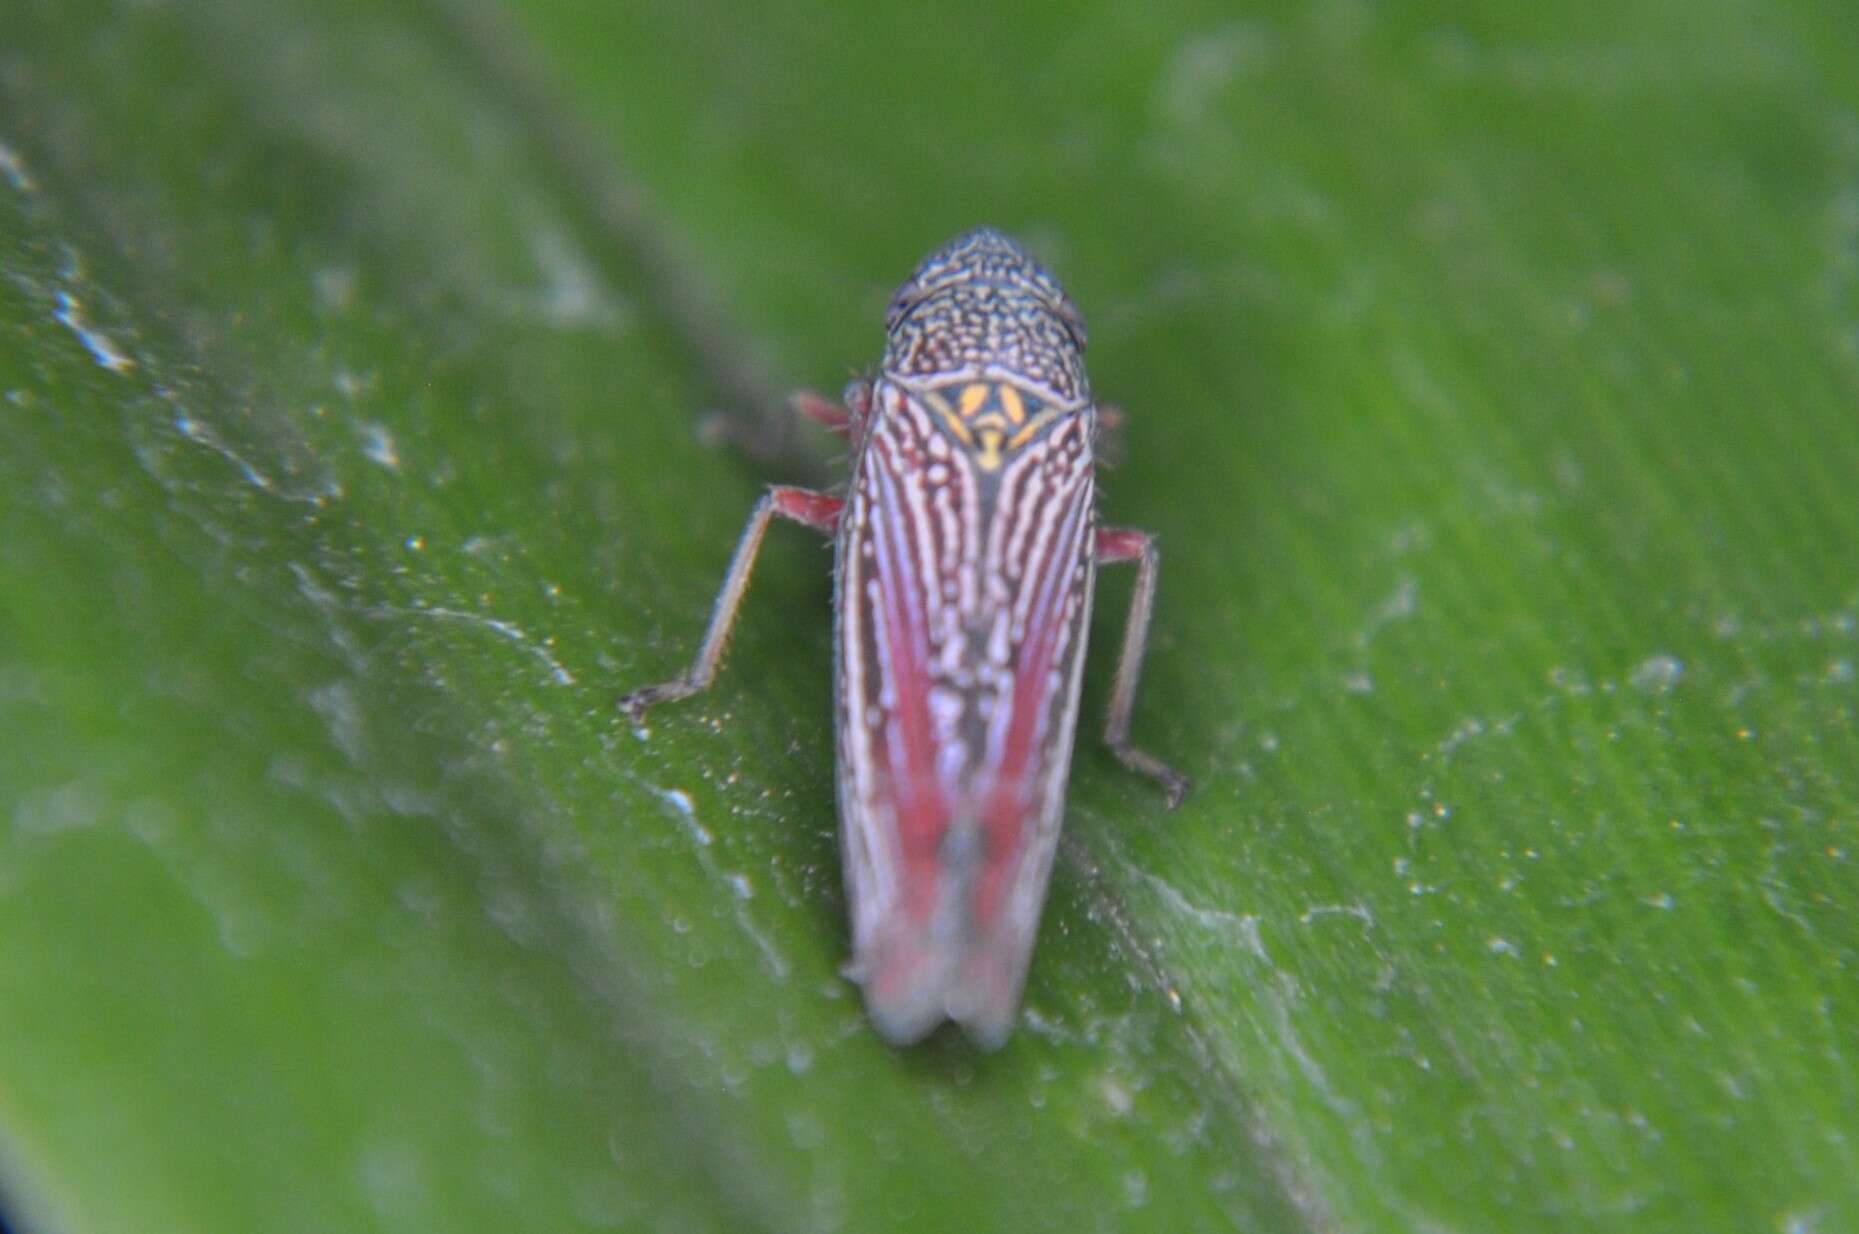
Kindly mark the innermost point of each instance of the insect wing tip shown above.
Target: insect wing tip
(904, 987)
(911, 987)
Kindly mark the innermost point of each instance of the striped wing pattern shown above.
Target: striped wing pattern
(965, 578)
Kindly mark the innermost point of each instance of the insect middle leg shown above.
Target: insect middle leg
(816, 510)
(846, 417)
(766, 439)
(1116, 545)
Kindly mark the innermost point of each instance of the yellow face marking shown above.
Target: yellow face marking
(993, 413)
(950, 417)
(990, 458)
(1032, 429)
(1010, 402)
(974, 395)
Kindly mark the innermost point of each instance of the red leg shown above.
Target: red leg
(843, 417)
(821, 410)
(816, 510)
(1110, 421)
(765, 438)
(1119, 545)
(819, 511)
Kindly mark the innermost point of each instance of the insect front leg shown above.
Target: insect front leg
(766, 438)
(846, 417)
(816, 510)
(1116, 545)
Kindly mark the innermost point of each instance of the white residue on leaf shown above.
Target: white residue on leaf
(1116, 1095)
(1466, 729)
(351, 384)
(49, 811)
(1361, 912)
(1402, 603)
(572, 293)
(335, 286)
(339, 709)
(201, 434)
(741, 889)
(14, 169)
(1205, 65)
(393, 1178)
(505, 629)
(378, 445)
(103, 350)
(1657, 674)
(1244, 926)
(680, 801)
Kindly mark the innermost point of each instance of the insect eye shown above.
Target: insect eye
(1074, 322)
(902, 302)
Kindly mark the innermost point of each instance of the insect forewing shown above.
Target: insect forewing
(965, 584)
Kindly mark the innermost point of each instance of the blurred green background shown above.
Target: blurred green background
(1491, 377)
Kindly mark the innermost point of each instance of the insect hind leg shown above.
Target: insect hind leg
(1116, 545)
(819, 511)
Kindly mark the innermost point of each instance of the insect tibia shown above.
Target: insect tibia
(817, 510)
(1122, 544)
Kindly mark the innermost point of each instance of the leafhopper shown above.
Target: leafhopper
(967, 546)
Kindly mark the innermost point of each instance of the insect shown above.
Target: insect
(966, 553)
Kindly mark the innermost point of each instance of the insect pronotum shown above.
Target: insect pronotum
(967, 545)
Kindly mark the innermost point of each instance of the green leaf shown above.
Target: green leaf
(1489, 378)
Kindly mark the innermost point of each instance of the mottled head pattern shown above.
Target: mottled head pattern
(979, 305)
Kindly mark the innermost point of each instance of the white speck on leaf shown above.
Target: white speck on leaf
(393, 1177)
(335, 287)
(106, 353)
(1244, 926)
(1463, 732)
(680, 801)
(351, 384)
(14, 169)
(572, 293)
(1360, 912)
(1657, 674)
(515, 633)
(1117, 1096)
(1204, 65)
(378, 445)
(1401, 604)
(69, 807)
